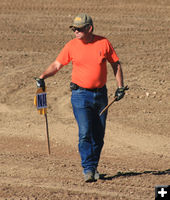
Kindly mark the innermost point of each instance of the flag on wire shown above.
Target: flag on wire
(40, 101)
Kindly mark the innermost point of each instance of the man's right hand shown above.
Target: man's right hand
(40, 83)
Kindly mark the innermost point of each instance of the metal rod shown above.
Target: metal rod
(107, 106)
(125, 88)
(48, 139)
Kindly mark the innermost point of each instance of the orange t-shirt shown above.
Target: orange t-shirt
(88, 60)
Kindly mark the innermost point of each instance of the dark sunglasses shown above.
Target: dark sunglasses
(79, 29)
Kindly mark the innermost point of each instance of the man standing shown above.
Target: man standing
(89, 54)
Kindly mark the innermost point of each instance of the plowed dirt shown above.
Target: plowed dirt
(136, 154)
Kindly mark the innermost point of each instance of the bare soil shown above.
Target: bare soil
(136, 154)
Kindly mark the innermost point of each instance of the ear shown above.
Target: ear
(90, 29)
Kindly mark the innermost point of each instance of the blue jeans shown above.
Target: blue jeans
(86, 108)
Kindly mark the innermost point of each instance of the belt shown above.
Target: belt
(74, 86)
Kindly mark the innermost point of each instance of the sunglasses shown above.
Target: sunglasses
(79, 29)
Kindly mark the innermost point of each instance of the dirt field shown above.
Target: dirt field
(136, 154)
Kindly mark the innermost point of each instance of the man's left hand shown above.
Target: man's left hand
(120, 92)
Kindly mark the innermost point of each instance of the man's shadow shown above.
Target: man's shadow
(128, 174)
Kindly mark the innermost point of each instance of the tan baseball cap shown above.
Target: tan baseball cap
(81, 20)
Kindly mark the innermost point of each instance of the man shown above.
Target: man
(89, 54)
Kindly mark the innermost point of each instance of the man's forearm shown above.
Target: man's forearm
(118, 74)
(51, 70)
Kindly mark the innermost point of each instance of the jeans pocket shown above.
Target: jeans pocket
(79, 98)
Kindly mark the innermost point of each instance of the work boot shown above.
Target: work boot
(96, 175)
(89, 176)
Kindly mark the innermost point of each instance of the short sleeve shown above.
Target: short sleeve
(111, 54)
(64, 56)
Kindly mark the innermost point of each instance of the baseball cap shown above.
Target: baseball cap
(81, 20)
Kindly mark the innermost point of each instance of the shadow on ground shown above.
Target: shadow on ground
(127, 174)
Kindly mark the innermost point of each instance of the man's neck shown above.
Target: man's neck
(88, 39)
